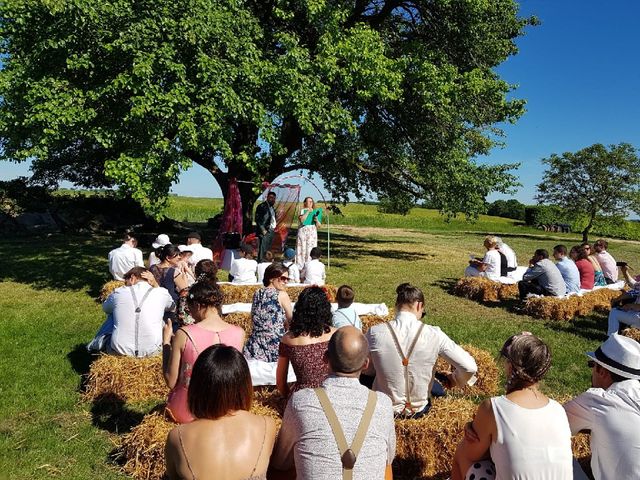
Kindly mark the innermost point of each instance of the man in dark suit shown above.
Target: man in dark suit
(265, 224)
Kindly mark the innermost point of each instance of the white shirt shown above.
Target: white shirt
(613, 416)
(123, 259)
(492, 259)
(200, 252)
(146, 338)
(153, 259)
(243, 271)
(386, 362)
(294, 271)
(532, 443)
(313, 272)
(510, 255)
(262, 266)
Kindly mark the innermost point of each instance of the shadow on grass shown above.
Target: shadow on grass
(591, 327)
(109, 412)
(58, 262)
(353, 247)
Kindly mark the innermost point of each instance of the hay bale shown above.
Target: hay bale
(108, 288)
(425, 447)
(582, 451)
(488, 374)
(484, 290)
(132, 379)
(632, 332)
(565, 309)
(369, 321)
(244, 293)
(241, 319)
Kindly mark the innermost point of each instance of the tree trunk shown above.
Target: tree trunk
(587, 229)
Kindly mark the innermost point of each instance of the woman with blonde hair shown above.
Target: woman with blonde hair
(310, 219)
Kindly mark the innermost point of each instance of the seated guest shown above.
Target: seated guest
(307, 438)
(606, 261)
(170, 272)
(598, 273)
(490, 265)
(568, 269)
(610, 410)
(585, 267)
(288, 260)
(262, 266)
(542, 277)
(160, 241)
(522, 434)
(346, 314)
(225, 440)
(271, 313)
(200, 252)
(510, 255)
(206, 271)
(243, 269)
(313, 271)
(136, 316)
(404, 351)
(181, 350)
(125, 257)
(305, 344)
(625, 310)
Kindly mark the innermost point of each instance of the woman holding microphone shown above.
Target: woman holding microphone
(310, 219)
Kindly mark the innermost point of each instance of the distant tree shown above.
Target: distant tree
(399, 203)
(373, 95)
(593, 182)
(511, 208)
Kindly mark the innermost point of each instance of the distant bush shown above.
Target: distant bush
(536, 215)
(507, 209)
(398, 203)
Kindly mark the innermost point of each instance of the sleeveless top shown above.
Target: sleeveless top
(251, 477)
(307, 362)
(267, 316)
(532, 444)
(198, 339)
(165, 278)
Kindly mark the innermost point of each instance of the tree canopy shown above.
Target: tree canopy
(595, 182)
(395, 97)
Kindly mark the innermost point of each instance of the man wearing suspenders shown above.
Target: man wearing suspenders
(342, 429)
(404, 351)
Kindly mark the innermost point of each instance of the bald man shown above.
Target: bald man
(306, 437)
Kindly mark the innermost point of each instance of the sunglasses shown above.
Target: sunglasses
(284, 279)
(591, 364)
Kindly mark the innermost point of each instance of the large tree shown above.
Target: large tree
(596, 183)
(396, 97)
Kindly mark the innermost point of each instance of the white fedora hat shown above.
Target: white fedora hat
(161, 240)
(619, 354)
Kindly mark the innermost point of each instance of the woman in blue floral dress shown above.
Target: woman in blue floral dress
(270, 313)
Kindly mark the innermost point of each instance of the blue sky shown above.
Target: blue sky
(578, 71)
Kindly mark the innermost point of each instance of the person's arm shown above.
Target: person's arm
(627, 276)
(533, 272)
(282, 457)
(468, 452)
(139, 258)
(171, 356)
(171, 452)
(151, 280)
(631, 307)
(579, 413)
(180, 279)
(464, 366)
(285, 303)
(281, 373)
(303, 215)
(109, 304)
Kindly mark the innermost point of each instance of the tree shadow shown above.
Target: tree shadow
(353, 247)
(109, 412)
(591, 327)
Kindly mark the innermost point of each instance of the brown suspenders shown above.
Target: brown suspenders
(348, 454)
(405, 362)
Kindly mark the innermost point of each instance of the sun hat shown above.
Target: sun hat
(185, 248)
(289, 253)
(619, 354)
(161, 240)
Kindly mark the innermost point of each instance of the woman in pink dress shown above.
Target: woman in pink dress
(306, 342)
(180, 352)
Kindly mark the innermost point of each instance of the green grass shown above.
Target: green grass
(47, 300)
(193, 209)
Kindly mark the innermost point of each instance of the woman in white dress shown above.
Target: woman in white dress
(310, 219)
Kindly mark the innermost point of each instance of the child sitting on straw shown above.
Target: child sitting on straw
(346, 314)
(288, 260)
(262, 266)
(313, 271)
(243, 269)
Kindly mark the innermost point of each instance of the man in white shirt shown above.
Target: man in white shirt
(243, 269)
(404, 351)
(489, 266)
(611, 409)
(200, 252)
(125, 257)
(313, 271)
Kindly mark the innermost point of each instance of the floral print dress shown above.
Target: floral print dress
(268, 320)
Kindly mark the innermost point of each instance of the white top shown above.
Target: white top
(510, 255)
(123, 259)
(294, 271)
(261, 268)
(532, 443)
(386, 363)
(343, 317)
(200, 252)
(243, 271)
(492, 259)
(146, 338)
(613, 416)
(153, 259)
(313, 273)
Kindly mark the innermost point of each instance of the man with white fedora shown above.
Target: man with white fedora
(611, 409)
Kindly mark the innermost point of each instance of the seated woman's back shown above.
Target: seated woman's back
(234, 447)
(306, 354)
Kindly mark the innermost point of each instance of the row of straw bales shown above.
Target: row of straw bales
(484, 290)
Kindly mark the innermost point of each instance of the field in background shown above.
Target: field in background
(47, 299)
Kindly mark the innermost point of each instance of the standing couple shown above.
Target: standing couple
(310, 219)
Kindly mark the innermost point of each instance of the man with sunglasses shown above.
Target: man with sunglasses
(404, 351)
(611, 409)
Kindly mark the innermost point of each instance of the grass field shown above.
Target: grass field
(47, 300)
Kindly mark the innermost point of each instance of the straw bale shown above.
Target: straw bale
(369, 321)
(632, 333)
(565, 309)
(132, 379)
(244, 293)
(425, 447)
(108, 288)
(582, 451)
(484, 290)
(488, 373)
(241, 319)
